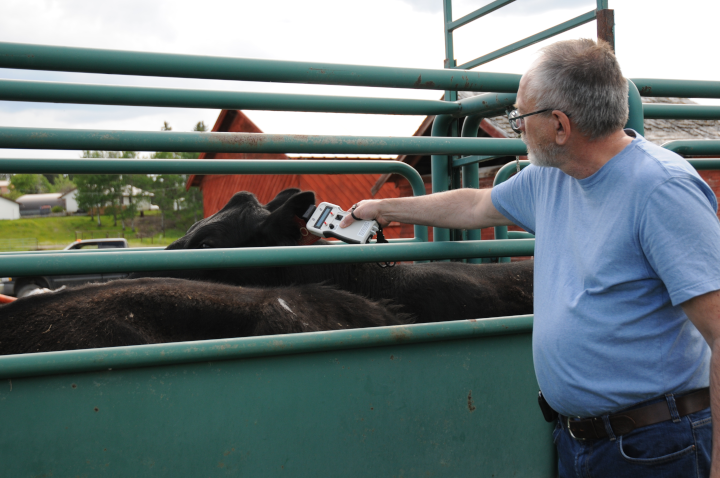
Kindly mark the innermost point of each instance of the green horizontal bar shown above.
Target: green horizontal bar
(117, 62)
(677, 88)
(520, 235)
(116, 358)
(39, 91)
(480, 12)
(487, 104)
(701, 147)
(681, 112)
(82, 251)
(465, 160)
(210, 166)
(705, 164)
(74, 139)
(531, 40)
(60, 263)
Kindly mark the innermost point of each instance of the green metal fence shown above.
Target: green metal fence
(400, 401)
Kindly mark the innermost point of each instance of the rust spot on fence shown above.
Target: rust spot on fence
(73, 385)
(96, 409)
(419, 83)
(400, 335)
(645, 90)
(471, 407)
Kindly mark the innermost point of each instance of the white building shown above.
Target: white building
(71, 205)
(139, 197)
(9, 209)
(38, 204)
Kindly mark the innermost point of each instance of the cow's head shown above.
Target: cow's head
(244, 222)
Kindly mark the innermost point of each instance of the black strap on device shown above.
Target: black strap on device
(381, 240)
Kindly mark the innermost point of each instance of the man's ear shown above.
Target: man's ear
(563, 130)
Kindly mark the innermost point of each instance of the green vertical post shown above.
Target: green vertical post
(442, 124)
(439, 170)
(636, 119)
(470, 173)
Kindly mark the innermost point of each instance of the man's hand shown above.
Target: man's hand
(368, 209)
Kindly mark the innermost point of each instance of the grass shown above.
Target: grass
(56, 232)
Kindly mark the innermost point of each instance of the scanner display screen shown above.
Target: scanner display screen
(323, 216)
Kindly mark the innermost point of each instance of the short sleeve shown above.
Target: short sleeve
(679, 233)
(515, 199)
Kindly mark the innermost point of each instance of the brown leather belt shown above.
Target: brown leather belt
(627, 421)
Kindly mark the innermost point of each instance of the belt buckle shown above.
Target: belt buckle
(567, 425)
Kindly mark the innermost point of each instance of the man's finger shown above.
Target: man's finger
(347, 220)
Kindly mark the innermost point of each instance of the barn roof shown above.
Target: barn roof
(341, 189)
(231, 121)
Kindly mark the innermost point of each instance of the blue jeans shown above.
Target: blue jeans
(675, 448)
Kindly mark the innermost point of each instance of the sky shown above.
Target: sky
(653, 40)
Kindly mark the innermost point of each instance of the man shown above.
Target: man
(627, 271)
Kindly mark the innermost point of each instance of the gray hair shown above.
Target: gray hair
(582, 79)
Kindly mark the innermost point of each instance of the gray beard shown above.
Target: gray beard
(549, 155)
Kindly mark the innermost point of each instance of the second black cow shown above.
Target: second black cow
(431, 292)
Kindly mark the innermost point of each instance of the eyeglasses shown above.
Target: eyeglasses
(516, 120)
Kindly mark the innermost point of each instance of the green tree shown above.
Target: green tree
(63, 184)
(96, 191)
(30, 184)
(170, 193)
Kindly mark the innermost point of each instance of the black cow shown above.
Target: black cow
(430, 292)
(148, 311)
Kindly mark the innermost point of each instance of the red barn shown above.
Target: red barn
(341, 189)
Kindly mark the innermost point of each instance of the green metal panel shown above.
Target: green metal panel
(116, 62)
(678, 88)
(124, 261)
(395, 401)
(48, 138)
(691, 112)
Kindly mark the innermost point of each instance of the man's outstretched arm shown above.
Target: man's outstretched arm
(458, 209)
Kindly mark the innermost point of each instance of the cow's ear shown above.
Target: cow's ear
(280, 227)
(282, 198)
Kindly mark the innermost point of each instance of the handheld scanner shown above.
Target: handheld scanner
(324, 221)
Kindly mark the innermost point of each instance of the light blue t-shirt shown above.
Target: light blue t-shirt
(615, 255)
